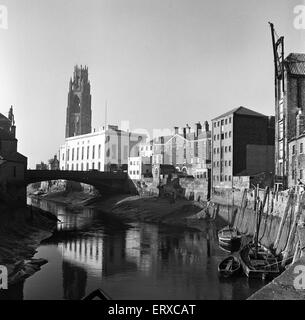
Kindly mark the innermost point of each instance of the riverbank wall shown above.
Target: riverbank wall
(281, 229)
(278, 216)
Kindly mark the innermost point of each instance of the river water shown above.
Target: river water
(91, 250)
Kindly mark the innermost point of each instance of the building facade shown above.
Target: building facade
(13, 165)
(296, 145)
(188, 150)
(289, 98)
(79, 113)
(242, 145)
(104, 150)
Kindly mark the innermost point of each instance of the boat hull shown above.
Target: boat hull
(229, 239)
(229, 267)
(261, 266)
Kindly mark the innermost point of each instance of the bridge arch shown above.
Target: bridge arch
(105, 182)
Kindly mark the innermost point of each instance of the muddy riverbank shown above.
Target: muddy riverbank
(182, 212)
(21, 232)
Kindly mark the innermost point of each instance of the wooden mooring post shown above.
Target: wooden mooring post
(288, 205)
(293, 231)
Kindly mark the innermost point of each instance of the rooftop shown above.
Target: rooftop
(241, 111)
(295, 64)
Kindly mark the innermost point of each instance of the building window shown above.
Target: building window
(93, 165)
(77, 154)
(229, 178)
(68, 155)
(218, 137)
(217, 150)
(93, 152)
(72, 167)
(88, 150)
(226, 149)
(230, 163)
(82, 167)
(226, 178)
(218, 123)
(99, 151)
(99, 166)
(215, 137)
(293, 149)
(87, 166)
(226, 121)
(226, 135)
(230, 134)
(230, 120)
(301, 148)
(226, 162)
(222, 122)
(77, 167)
(63, 157)
(230, 149)
(301, 174)
(83, 151)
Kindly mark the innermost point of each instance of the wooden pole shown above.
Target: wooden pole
(289, 201)
(298, 211)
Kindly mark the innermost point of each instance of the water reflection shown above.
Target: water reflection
(136, 261)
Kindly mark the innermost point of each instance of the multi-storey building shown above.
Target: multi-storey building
(104, 150)
(296, 145)
(289, 99)
(188, 150)
(242, 145)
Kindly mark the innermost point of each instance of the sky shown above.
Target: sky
(158, 63)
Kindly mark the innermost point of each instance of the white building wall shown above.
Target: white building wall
(97, 151)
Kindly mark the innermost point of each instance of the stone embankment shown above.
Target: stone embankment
(281, 229)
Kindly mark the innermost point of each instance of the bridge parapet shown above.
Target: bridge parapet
(105, 182)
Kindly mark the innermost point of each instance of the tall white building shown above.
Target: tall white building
(101, 150)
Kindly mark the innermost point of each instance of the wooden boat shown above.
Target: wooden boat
(258, 262)
(230, 237)
(229, 266)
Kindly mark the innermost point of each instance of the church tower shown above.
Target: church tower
(79, 111)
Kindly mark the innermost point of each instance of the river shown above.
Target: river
(133, 261)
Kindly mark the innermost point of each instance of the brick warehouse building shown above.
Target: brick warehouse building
(242, 145)
(188, 150)
(290, 98)
(296, 149)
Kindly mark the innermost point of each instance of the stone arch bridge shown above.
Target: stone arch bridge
(104, 182)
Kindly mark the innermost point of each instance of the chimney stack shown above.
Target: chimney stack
(198, 128)
(206, 126)
(300, 125)
(188, 129)
(176, 130)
